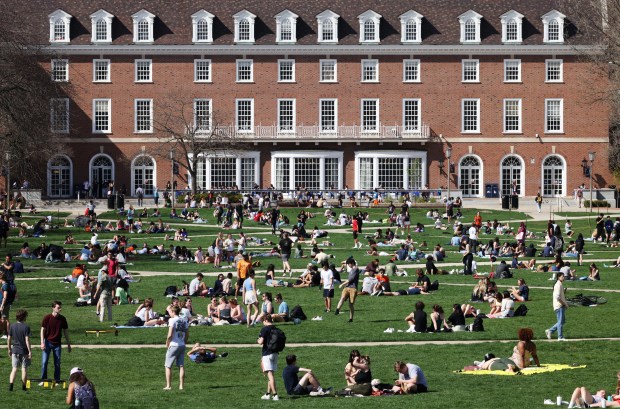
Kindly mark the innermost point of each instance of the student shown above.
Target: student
(411, 379)
(20, 349)
(417, 320)
(201, 354)
(269, 360)
(350, 291)
(81, 392)
(53, 327)
(327, 279)
(178, 333)
(307, 385)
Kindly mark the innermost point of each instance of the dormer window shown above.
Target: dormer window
(369, 27)
(470, 27)
(328, 27)
(101, 22)
(59, 27)
(411, 27)
(286, 27)
(511, 27)
(202, 27)
(244, 27)
(554, 27)
(143, 27)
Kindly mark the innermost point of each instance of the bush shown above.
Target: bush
(597, 203)
(232, 197)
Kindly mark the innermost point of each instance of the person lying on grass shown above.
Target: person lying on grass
(202, 354)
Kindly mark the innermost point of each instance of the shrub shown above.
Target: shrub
(597, 203)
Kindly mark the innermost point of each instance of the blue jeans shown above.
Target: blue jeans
(49, 347)
(561, 315)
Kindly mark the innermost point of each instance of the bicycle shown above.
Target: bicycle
(585, 300)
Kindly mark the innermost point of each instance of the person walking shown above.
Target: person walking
(269, 358)
(559, 306)
(53, 327)
(350, 288)
(178, 334)
(140, 194)
(538, 199)
(327, 278)
(19, 348)
(286, 247)
(155, 196)
(105, 292)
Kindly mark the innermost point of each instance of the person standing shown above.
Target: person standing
(269, 358)
(19, 348)
(355, 228)
(178, 334)
(250, 298)
(350, 288)
(140, 194)
(559, 306)
(275, 215)
(286, 247)
(155, 196)
(327, 278)
(4, 229)
(53, 327)
(600, 228)
(538, 199)
(243, 267)
(105, 290)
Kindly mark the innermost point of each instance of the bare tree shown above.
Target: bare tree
(192, 132)
(26, 92)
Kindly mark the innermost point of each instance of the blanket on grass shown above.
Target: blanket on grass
(527, 371)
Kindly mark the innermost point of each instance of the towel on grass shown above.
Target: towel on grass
(527, 371)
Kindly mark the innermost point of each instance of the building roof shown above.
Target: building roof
(173, 24)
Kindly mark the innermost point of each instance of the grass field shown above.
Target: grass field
(133, 378)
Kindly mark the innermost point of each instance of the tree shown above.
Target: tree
(190, 130)
(26, 92)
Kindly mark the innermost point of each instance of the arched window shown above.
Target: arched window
(101, 30)
(470, 179)
(101, 174)
(369, 30)
(244, 30)
(554, 31)
(328, 30)
(60, 30)
(553, 176)
(470, 30)
(511, 171)
(286, 31)
(143, 30)
(411, 31)
(202, 30)
(512, 32)
(60, 177)
(143, 174)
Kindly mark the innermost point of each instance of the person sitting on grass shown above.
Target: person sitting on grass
(525, 349)
(147, 316)
(236, 312)
(417, 320)
(522, 293)
(410, 380)
(438, 320)
(307, 385)
(357, 370)
(266, 308)
(81, 392)
(593, 275)
(201, 354)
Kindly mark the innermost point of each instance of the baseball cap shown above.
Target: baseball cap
(75, 370)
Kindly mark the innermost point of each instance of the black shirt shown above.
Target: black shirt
(286, 245)
(456, 319)
(419, 316)
(290, 377)
(265, 334)
(430, 269)
(425, 282)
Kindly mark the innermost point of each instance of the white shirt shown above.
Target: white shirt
(473, 233)
(193, 286)
(179, 329)
(558, 295)
(327, 276)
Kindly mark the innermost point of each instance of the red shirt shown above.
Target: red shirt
(354, 224)
(112, 267)
(53, 327)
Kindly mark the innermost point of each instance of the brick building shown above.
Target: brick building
(327, 94)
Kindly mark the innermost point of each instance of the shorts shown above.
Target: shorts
(300, 390)
(269, 362)
(6, 310)
(240, 282)
(285, 257)
(175, 353)
(328, 293)
(250, 298)
(419, 389)
(354, 235)
(349, 293)
(19, 360)
(413, 291)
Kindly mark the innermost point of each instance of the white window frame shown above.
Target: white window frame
(136, 101)
(286, 16)
(558, 17)
(54, 102)
(464, 64)
(506, 18)
(108, 101)
(59, 65)
(105, 62)
(405, 128)
(373, 18)
(294, 115)
(561, 101)
(463, 102)
(199, 61)
(463, 19)
(519, 115)
(238, 18)
(50, 169)
(138, 63)
(197, 18)
(327, 16)
(377, 118)
(239, 65)
(321, 67)
(418, 65)
(335, 130)
(280, 63)
(372, 64)
(209, 115)
(405, 155)
(244, 131)
(512, 61)
(548, 62)
(107, 18)
(147, 17)
(60, 17)
(204, 168)
(321, 155)
(415, 18)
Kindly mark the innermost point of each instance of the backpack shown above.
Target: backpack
(434, 286)
(477, 325)
(11, 291)
(297, 312)
(276, 341)
(521, 311)
(559, 244)
(170, 290)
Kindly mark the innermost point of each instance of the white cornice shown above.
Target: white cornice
(323, 49)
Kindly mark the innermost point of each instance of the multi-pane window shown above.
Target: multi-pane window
(60, 70)
(370, 70)
(202, 70)
(469, 180)
(328, 71)
(328, 115)
(553, 176)
(283, 174)
(470, 30)
(245, 115)
(143, 174)
(366, 173)
(328, 30)
(554, 115)
(411, 31)
(143, 30)
(102, 116)
(101, 30)
(286, 115)
(512, 115)
(245, 70)
(286, 70)
(202, 115)
(369, 30)
(307, 172)
(244, 30)
(391, 174)
(411, 70)
(60, 177)
(60, 30)
(511, 175)
(411, 115)
(512, 70)
(553, 33)
(202, 30)
(223, 172)
(248, 173)
(59, 115)
(471, 70)
(332, 172)
(101, 70)
(286, 30)
(471, 115)
(144, 115)
(144, 70)
(370, 115)
(554, 70)
(312, 170)
(393, 170)
(512, 31)
(226, 171)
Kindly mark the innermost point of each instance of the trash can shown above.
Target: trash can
(514, 200)
(505, 202)
(111, 201)
(495, 190)
(120, 201)
(488, 191)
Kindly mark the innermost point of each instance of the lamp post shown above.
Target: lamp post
(7, 156)
(448, 155)
(591, 156)
(172, 178)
